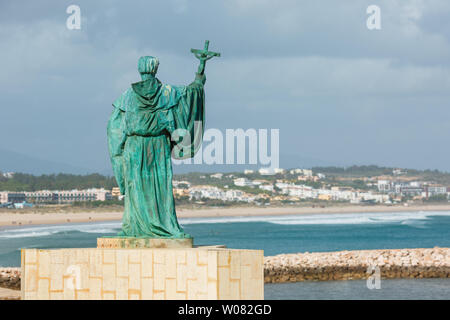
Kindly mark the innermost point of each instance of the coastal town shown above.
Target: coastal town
(263, 188)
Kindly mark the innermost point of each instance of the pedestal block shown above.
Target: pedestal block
(128, 242)
(142, 273)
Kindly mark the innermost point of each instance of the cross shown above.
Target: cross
(204, 55)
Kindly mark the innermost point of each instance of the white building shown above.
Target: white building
(93, 194)
(209, 192)
(258, 182)
(242, 182)
(307, 172)
(217, 175)
(13, 197)
(8, 175)
(300, 191)
(281, 185)
(369, 196)
(398, 172)
(41, 196)
(67, 196)
(435, 190)
(385, 185)
(267, 187)
(263, 171)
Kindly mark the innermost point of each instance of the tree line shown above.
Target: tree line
(61, 181)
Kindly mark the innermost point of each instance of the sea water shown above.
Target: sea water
(390, 289)
(273, 234)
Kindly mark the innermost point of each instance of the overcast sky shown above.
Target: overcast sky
(337, 91)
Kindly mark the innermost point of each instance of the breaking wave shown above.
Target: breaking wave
(407, 218)
(41, 231)
(412, 219)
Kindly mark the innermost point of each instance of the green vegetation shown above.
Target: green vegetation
(373, 171)
(335, 176)
(218, 203)
(180, 200)
(437, 198)
(354, 171)
(313, 184)
(96, 204)
(356, 184)
(29, 182)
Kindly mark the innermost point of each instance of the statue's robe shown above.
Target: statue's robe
(150, 124)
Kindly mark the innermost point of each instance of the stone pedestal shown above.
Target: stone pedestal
(144, 273)
(128, 243)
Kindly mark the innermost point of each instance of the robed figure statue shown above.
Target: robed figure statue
(151, 123)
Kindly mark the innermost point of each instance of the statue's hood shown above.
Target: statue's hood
(153, 95)
(150, 95)
(148, 91)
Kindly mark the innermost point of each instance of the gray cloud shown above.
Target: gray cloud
(336, 90)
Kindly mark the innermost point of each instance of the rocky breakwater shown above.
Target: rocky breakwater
(10, 278)
(359, 264)
(340, 265)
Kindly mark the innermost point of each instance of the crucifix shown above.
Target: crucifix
(204, 55)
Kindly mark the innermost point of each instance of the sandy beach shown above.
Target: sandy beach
(21, 219)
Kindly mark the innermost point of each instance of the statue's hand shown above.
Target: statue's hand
(200, 78)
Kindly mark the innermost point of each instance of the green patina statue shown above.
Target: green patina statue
(152, 122)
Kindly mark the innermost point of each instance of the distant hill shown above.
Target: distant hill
(286, 161)
(61, 181)
(17, 162)
(353, 174)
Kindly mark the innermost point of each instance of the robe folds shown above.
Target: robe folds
(150, 124)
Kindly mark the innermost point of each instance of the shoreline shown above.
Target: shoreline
(24, 219)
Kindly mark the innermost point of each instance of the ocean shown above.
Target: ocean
(390, 289)
(275, 235)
